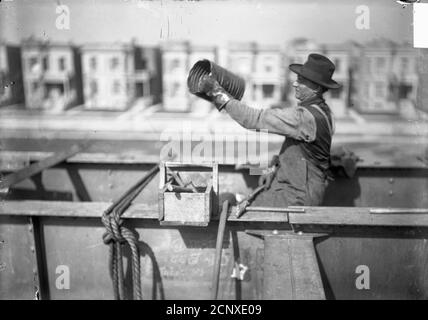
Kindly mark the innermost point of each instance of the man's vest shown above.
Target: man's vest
(300, 161)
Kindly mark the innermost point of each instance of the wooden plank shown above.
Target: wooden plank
(175, 164)
(35, 168)
(141, 157)
(397, 211)
(73, 209)
(312, 215)
(356, 216)
(15, 160)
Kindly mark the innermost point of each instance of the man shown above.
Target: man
(299, 176)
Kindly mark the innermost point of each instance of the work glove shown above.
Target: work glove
(219, 96)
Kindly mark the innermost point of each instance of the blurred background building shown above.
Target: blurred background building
(376, 67)
(51, 73)
(178, 57)
(261, 68)
(377, 77)
(116, 75)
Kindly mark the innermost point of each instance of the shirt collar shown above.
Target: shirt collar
(314, 100)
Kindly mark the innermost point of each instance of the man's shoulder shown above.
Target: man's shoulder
(318, 109)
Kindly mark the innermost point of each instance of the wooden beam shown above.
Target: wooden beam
(358, 216)
(8, 158)
(73, 209)
(312, 215)
(35, 168)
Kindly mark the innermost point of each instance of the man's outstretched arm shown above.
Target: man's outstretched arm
(297, 123)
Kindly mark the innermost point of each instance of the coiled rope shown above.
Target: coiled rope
(117, 235)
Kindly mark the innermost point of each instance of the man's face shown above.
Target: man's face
(304, 88)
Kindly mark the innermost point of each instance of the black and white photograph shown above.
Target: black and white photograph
(213, 150)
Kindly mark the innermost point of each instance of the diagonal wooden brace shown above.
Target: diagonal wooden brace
(290, 266)
(37, 167)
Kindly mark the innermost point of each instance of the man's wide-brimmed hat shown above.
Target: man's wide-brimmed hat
(318, 69)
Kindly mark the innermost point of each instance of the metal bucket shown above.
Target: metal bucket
(232, 83)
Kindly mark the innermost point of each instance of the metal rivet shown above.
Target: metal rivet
(391, 180)
(32, 249)
(30, 228)
(275, 231)
(34, 270)
(391, 192)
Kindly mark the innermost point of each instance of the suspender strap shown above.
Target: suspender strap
(331, 127)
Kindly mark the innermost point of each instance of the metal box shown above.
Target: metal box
(188, 208)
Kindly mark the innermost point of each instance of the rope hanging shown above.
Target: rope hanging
(117, 235)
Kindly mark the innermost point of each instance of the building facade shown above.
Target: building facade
(51, 73)
(345, 57)
(177, 59)
(374, 77)
(267, 78)
(110, 77)
(405, 79)
(261, 68)
(175, 68)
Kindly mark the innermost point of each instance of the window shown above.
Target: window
(404, 63)
(404, 91)
(378, 106)
(268, 90)
(337, 64)
(140, 63)
(174, 64)
(93, 87)
(267, 62)
(61, 64)
(244, 66)
(368, 64)
(380, 63)
(174, 89)
(379, 90)
(35, 86)
(114, 63)
(116, 87)
(93, 63)
(45, 63)
(33, 63)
